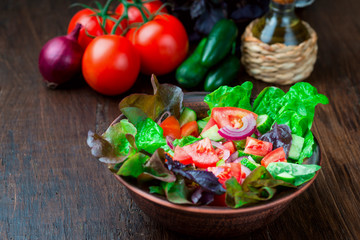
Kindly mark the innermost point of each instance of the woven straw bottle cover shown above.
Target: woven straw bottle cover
(279, 48)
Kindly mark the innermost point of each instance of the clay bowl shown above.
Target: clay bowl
(214, 222)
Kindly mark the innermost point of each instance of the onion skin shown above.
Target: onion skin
(60, 59)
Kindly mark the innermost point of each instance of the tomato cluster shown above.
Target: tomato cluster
(120, 45)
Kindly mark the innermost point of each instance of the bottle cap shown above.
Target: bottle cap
(283, 1)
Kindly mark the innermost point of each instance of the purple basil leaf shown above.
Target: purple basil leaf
(202, 197)
(197, 8)
(249, 11)
(279, 136)
(207, 20)
(207, 180)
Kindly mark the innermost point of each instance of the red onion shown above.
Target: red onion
(248, 128)
(246, 170)
(169, 142)
(60, 58)
(225, 150)
(232, 157)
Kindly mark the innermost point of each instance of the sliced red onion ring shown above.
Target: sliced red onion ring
(169, 142)
(248, 128)
(232, 157)
(219, 145)
(239, 159)
(246, 170)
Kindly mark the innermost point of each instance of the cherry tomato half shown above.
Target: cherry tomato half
(162, 44)
(110, 64)
(171, 127)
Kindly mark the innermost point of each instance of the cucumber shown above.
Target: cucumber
(249, 163)
(263, 123)
(286, 177)
(187, 115)
(190, 73)
(219, 43)
(255, 157)
(212, 133)
(201, 124)
(222, 74)
(297, 144)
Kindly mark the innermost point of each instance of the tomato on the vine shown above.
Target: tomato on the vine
(134, 15)
(162, 44)
(110, 64)
(91, 27)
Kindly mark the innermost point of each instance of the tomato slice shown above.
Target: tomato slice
(209, 124)
(171, 127)
(277, 155)
(181, 156)
(230, 146)
(257, 147)
(226, 171)
(219, 200)
(230, 116)
(223, 173)
(190, 128)
(202, 153)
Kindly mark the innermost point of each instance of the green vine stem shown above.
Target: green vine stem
(101, 13)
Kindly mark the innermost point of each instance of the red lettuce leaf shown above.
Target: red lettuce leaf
(167, 97)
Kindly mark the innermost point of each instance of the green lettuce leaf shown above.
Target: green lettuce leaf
(296, 108)
(167, 97)
(267, 102)
(185, 141)
(133, 166)
(259, 185)
(157, 189)
(149, 136)
(301, 172)
(113, 146)
(225, 96)
(177, 192)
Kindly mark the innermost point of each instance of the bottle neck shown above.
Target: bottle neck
(282, 8)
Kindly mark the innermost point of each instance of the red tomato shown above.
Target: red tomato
(229, 116)
(223, 173)
(110, 64)
(226, 171)
(202, 153)
(257, 147)
(277, 155)
(91, 26)
(230, 146)
(162, 43)
(171, 127)
(181, 156)
(219, 200)
(135, 15)
(190, 128)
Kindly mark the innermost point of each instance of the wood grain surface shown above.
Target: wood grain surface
(52, 188)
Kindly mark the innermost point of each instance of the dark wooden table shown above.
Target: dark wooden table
(52, 188)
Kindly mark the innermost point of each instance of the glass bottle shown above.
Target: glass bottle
(281, 25)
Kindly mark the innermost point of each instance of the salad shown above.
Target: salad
(243, 152)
